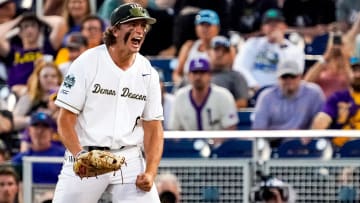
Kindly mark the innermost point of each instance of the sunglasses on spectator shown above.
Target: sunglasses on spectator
(290, 76)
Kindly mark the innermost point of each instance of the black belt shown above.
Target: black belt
(89, 148)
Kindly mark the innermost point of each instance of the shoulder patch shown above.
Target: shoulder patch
(69, 81)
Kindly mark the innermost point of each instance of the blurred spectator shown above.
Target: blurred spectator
(41, 130)
(221, 61)
(9, 185)
(203, 105)
(207, 24)
(185, 14)
(168, 187)
(309, 18)
(259, 57)
(347, 11)
(74, 12)
(245, 16)
(347, 192)
(34, 43)
(45, 79)
(92, 28)
(332, 72)
(291, 96)
(4, 153)
(53, 7)
(76, 44)
(341, 110)
(7, 10)
(6, 130)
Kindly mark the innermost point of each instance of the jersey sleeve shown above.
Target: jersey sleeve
(153, 108)
(71, 94)
(230, 116)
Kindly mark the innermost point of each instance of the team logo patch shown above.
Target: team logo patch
(69, 81)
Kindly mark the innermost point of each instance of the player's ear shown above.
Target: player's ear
(115, 30)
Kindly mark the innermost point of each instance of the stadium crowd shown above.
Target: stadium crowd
(294, 63)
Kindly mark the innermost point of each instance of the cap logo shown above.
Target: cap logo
(137, 12)
(198, 64)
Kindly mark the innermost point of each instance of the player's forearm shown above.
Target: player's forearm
(153, 145)
(66, 129)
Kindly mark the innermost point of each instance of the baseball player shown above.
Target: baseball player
(111, 100)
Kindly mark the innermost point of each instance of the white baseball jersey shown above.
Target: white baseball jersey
(216, 113)
(110, 102)
(258, 60)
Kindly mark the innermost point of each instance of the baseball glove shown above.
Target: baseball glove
(97, 162)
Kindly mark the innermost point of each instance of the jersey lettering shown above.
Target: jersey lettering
(126, 93)
(98, 90)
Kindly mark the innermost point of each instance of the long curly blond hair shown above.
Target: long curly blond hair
(35, 91)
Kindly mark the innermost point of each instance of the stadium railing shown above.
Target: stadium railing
(231, 179)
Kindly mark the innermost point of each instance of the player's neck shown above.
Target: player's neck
(122, 59)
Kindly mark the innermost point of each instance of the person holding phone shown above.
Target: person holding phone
(332, 71)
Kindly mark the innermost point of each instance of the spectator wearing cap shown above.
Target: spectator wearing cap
(207, 26)
(221, 61)
(259, 56)
(35, 41)
(290, 96)
(341, 110)
(41, 130)
(76, 44)
(203, 105)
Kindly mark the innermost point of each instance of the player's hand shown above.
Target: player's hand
(145, 181)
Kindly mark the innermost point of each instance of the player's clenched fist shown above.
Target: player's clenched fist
(145, 181)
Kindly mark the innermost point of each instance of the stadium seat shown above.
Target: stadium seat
(233, 148)
(318, 45)
(253, 99)
(184, 148)
(317, 148)
(245, 119)
(351, 149)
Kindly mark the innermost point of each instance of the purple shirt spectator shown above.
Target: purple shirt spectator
(20, 62)
(343, 110)
(273, 111)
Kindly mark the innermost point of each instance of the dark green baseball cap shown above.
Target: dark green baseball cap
(129, 12)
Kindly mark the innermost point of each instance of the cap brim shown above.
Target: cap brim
(148, 20)
(211, 22)
(286, 73)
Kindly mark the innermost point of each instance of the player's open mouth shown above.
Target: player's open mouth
(136, 41)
